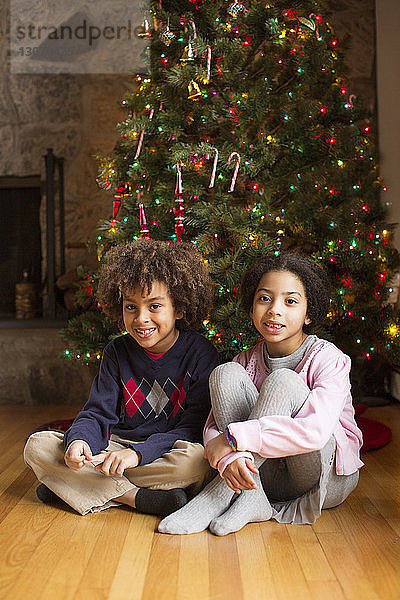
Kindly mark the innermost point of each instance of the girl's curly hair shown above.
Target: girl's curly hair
(313, 277)
(138, 264)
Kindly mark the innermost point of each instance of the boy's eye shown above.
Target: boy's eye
(155, 306)
(130, 307)
(291, 301)
(265, 298)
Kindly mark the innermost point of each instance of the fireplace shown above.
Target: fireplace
(20, 239)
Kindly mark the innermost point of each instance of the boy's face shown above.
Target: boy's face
(150, 319)
(280, 311)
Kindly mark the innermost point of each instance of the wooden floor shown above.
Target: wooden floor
(352, 552)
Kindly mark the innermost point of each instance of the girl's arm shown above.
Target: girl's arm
(277, 436)
(210, 433)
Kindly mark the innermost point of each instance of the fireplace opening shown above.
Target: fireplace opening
(20, 241)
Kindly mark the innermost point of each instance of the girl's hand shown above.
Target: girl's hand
(216, 449)
(115, 462)
(237, 475)
(77, 454)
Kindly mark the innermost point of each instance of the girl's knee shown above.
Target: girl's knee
(226, 372)
(286, 380)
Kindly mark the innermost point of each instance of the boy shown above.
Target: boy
(136, 441)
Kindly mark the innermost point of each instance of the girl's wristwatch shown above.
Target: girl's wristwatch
(231, 440)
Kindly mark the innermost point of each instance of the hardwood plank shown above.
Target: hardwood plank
(37, 572)
(133, 559)
(374, 545)
(326, 523)
(321, 590)
(288, 577)
(20, 537)
(77, 537)
(15, 491)
(255, 570)
(344, 564)
(103, 561)
(310, 554)
(162, 572)
(225, 579)
(193, 572)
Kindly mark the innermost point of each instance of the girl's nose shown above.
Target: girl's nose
(274, 309)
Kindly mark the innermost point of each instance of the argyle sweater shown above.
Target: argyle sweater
(155, 402)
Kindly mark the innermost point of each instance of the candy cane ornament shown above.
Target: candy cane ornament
(214, 169)
(351, 98)
(194, 29)
(235, 173)
(140, 143)
(316, 24)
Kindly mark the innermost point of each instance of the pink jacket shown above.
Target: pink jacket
(328, 410)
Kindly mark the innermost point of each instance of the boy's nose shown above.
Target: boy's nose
(143, 317)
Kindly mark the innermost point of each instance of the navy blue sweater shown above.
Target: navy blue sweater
(156, 402)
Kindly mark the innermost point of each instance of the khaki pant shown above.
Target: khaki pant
(87, 490)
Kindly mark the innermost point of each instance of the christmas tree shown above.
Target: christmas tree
(244, 137)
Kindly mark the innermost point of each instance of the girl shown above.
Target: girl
(281, 432)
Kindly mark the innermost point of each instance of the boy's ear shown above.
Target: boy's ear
(179, 314)
(307, 320)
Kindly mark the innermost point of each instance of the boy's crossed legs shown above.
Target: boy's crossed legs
(155, 488)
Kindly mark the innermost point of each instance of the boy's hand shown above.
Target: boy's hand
(77, 454)
(115, 462)
(237, 475)
(216, 449)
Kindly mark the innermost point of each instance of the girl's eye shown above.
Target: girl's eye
(291, 301)
(265, 298)
(130, 307)
(155, 306)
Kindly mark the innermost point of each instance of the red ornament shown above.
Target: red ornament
(144, 232)
(116, 205)
(179, 210)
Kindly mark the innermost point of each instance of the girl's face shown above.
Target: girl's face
(280, 311)
(150, 319)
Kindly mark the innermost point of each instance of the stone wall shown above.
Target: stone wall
(31, 372)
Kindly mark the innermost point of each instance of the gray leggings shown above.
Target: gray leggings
(235, 398)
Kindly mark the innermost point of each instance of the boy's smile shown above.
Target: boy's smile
(150, 318)
(280, 311)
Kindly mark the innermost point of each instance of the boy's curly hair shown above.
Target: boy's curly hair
(313, 277)
(138, 264)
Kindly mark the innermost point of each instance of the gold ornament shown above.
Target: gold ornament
(235, 9)
(194, 90)
(144, 30)
(167, 36)
(187, 55)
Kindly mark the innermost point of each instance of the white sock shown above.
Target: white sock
(251, 506)
(197, 514)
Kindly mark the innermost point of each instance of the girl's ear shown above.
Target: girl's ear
(179, 314)
(307, 321)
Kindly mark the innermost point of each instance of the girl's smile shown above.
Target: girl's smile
(279, 312)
